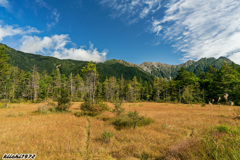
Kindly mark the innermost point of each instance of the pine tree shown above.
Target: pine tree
(91, 76)
(4, 70)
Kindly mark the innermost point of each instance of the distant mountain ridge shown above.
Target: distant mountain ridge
(145, 71)
(166, 71)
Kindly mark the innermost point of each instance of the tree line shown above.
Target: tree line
(210, 86)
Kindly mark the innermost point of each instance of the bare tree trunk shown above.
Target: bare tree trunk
(94, 83)
(71, 85)
(180, 95)
(33, 83)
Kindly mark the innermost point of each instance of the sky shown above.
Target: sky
(136, 31)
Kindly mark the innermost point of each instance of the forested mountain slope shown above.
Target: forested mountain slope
(26, 62)
(145, 71)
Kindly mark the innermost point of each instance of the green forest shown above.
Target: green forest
(213, 86)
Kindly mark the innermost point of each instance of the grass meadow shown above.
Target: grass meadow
(179, 131)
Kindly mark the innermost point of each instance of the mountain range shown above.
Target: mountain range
(145, 71)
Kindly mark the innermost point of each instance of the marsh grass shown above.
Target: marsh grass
(64, 136)
(236, 113)
(220, 142)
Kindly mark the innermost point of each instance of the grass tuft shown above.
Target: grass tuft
(106, 136)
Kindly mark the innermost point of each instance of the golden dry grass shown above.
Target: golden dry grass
(64, 136)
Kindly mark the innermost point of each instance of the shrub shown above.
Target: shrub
(121, 122)
(131, 120)
(118, 110)
(145, 156)
(3, 105)
(107, 136)
(11, 115)
(4, 100)
(203, 105)
(51, 103)
(21, 114)
(134, 117)
(44, 109)
(223, 129)
(63, 101)
(79, 114)
(164, 126)
(93, 109)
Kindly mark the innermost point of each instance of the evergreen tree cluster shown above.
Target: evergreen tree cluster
(187, 87)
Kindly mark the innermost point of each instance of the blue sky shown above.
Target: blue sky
(133, 30)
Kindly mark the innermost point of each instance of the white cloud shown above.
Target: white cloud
(235, 57)
(203, 28)
(5, 4)
(198, 28)
(132, 10)
(7, 30)
(54, 15)
(56, 46)
(156, 27)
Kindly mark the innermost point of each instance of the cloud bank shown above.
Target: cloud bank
(56, 46)
(7, 30)
(204, 28)
(197, 28)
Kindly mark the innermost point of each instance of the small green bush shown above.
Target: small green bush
(11, 115)
(164, 126)
(84, 113)
(93, 109)
(4, 105)
(51, 103)
(118, 110)
(224, 129)
(121, 122)
(145, 156)
(203, 105)
(131, 120)
(4, 100)
(63, 101)
(21, 114)
(44, 109)
(107, 136)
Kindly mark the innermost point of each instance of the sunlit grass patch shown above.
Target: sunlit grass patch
(178, 132)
